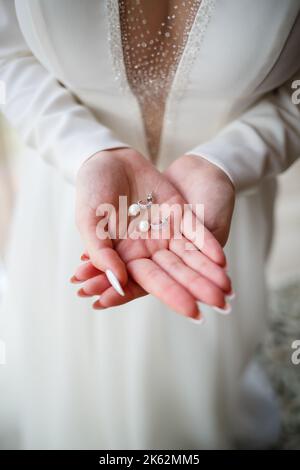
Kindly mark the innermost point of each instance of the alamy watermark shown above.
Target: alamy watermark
(158, 222)
(295, 357)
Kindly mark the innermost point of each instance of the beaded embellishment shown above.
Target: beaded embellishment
(153, 46)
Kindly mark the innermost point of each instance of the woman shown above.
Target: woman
(217, 119)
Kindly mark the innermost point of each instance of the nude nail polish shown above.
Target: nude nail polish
(114, 282)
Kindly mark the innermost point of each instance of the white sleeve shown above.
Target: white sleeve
(46, 114)
(262, 142)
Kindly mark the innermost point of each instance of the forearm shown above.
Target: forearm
(261, 143)
(47, 116)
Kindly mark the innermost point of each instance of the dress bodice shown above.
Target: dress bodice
(154, 34)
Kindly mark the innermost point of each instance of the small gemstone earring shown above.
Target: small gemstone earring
(146, 204)
(135, 208)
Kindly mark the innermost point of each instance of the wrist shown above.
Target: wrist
(211, 169)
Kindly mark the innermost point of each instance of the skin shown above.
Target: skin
(198, 180)
(164, 268)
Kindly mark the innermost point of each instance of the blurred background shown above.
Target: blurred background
(283, 274)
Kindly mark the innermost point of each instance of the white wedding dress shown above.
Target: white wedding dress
(140, 376)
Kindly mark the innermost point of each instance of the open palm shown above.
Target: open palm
(163, 267)
(202, 182)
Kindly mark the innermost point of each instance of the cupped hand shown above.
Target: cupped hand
(201, 182)
(163, 267)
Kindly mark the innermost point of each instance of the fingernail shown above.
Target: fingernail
(84, 257)
(198, 320)
(224, 311)
(96, 306)
(82, 293)
(114, 282)
(75, 280)
(230, 296)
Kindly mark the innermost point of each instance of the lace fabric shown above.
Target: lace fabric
(154, 34)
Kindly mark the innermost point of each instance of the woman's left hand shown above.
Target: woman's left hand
(202, 182)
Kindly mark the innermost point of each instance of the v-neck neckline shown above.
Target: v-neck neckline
(183, 69)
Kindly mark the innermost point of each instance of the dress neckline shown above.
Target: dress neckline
(181, 75)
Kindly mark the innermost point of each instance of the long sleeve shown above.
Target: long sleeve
(262, 142)
(45, 113)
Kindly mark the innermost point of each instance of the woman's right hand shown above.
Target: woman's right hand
(101, 179)
(160, 267)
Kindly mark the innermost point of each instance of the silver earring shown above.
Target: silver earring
(144, 225)
(135, 208)
(146, 204)
(160, 224)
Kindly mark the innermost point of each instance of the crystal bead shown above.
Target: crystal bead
(147, 60)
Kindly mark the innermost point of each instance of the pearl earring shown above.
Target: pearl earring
(135, 208)
(144, 226)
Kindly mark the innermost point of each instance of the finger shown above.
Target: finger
(157, 282)
(132, 249)
(109, 298)
(101, 250)
(85, 271)
(200, 263)
(198, 286)
(194, 230)
(94, 286)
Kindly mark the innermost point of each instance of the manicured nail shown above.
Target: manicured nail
(75, 280)
(224, 311)
(230, 296)
(198, 320)
(96, 305)
(84, 257)
(82, 293)
(114, 282)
